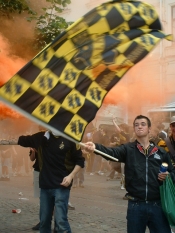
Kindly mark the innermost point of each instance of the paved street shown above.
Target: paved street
(99, 206)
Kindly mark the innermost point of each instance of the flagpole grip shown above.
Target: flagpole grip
(9, 142)
(100, 152)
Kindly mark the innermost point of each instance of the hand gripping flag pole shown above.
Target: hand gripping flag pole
(101, 153)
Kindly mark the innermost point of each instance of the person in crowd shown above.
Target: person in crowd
(14, 161)
(36, 190)
(169, 132)
(26, 165)
(166, 141)
(154, 137)
(170, 140)
(5, 162)
(34, 158)
(133, 137)
(89, 156)
(80, 176)
(96, 160)
(170, 135)
(6, 155)
(59, 161)
(20, 162)
(98, 165)
(142, 160)
(79, 179)
(115, 167)
(162, 132)
(123, 131)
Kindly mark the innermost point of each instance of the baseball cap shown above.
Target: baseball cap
(172, 120)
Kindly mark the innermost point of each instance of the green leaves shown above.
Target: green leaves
(11, 6)
(47, 31)
(50, 24)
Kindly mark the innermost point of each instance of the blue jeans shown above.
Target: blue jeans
(142, 214)
(54, 200)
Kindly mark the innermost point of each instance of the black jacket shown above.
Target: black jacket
(141, 168)
(57, 157)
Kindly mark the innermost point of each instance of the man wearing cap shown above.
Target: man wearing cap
(170, 141)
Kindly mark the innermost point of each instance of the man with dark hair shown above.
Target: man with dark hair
(142, 160)
(142, 117)
(59, 161)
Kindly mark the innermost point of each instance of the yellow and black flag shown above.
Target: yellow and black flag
(64, 85)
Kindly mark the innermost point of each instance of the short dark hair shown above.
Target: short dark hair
(142, 117)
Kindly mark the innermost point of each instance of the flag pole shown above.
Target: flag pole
(9, 142)
(15, 142)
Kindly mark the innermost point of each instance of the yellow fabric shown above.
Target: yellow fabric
(65, 84)
(162, 144)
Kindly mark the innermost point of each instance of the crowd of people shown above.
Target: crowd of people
(14, 162)
(14, 159)
(54, 178)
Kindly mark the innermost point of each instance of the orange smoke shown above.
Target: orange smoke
(20, 35)
(137, 89)
(9, 64)
(7, 112)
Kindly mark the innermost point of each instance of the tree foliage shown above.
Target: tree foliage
(14, 6)
(50, 24)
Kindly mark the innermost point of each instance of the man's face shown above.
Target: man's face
(141, 128)
(172, 127)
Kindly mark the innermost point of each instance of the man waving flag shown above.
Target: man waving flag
(63, 87)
